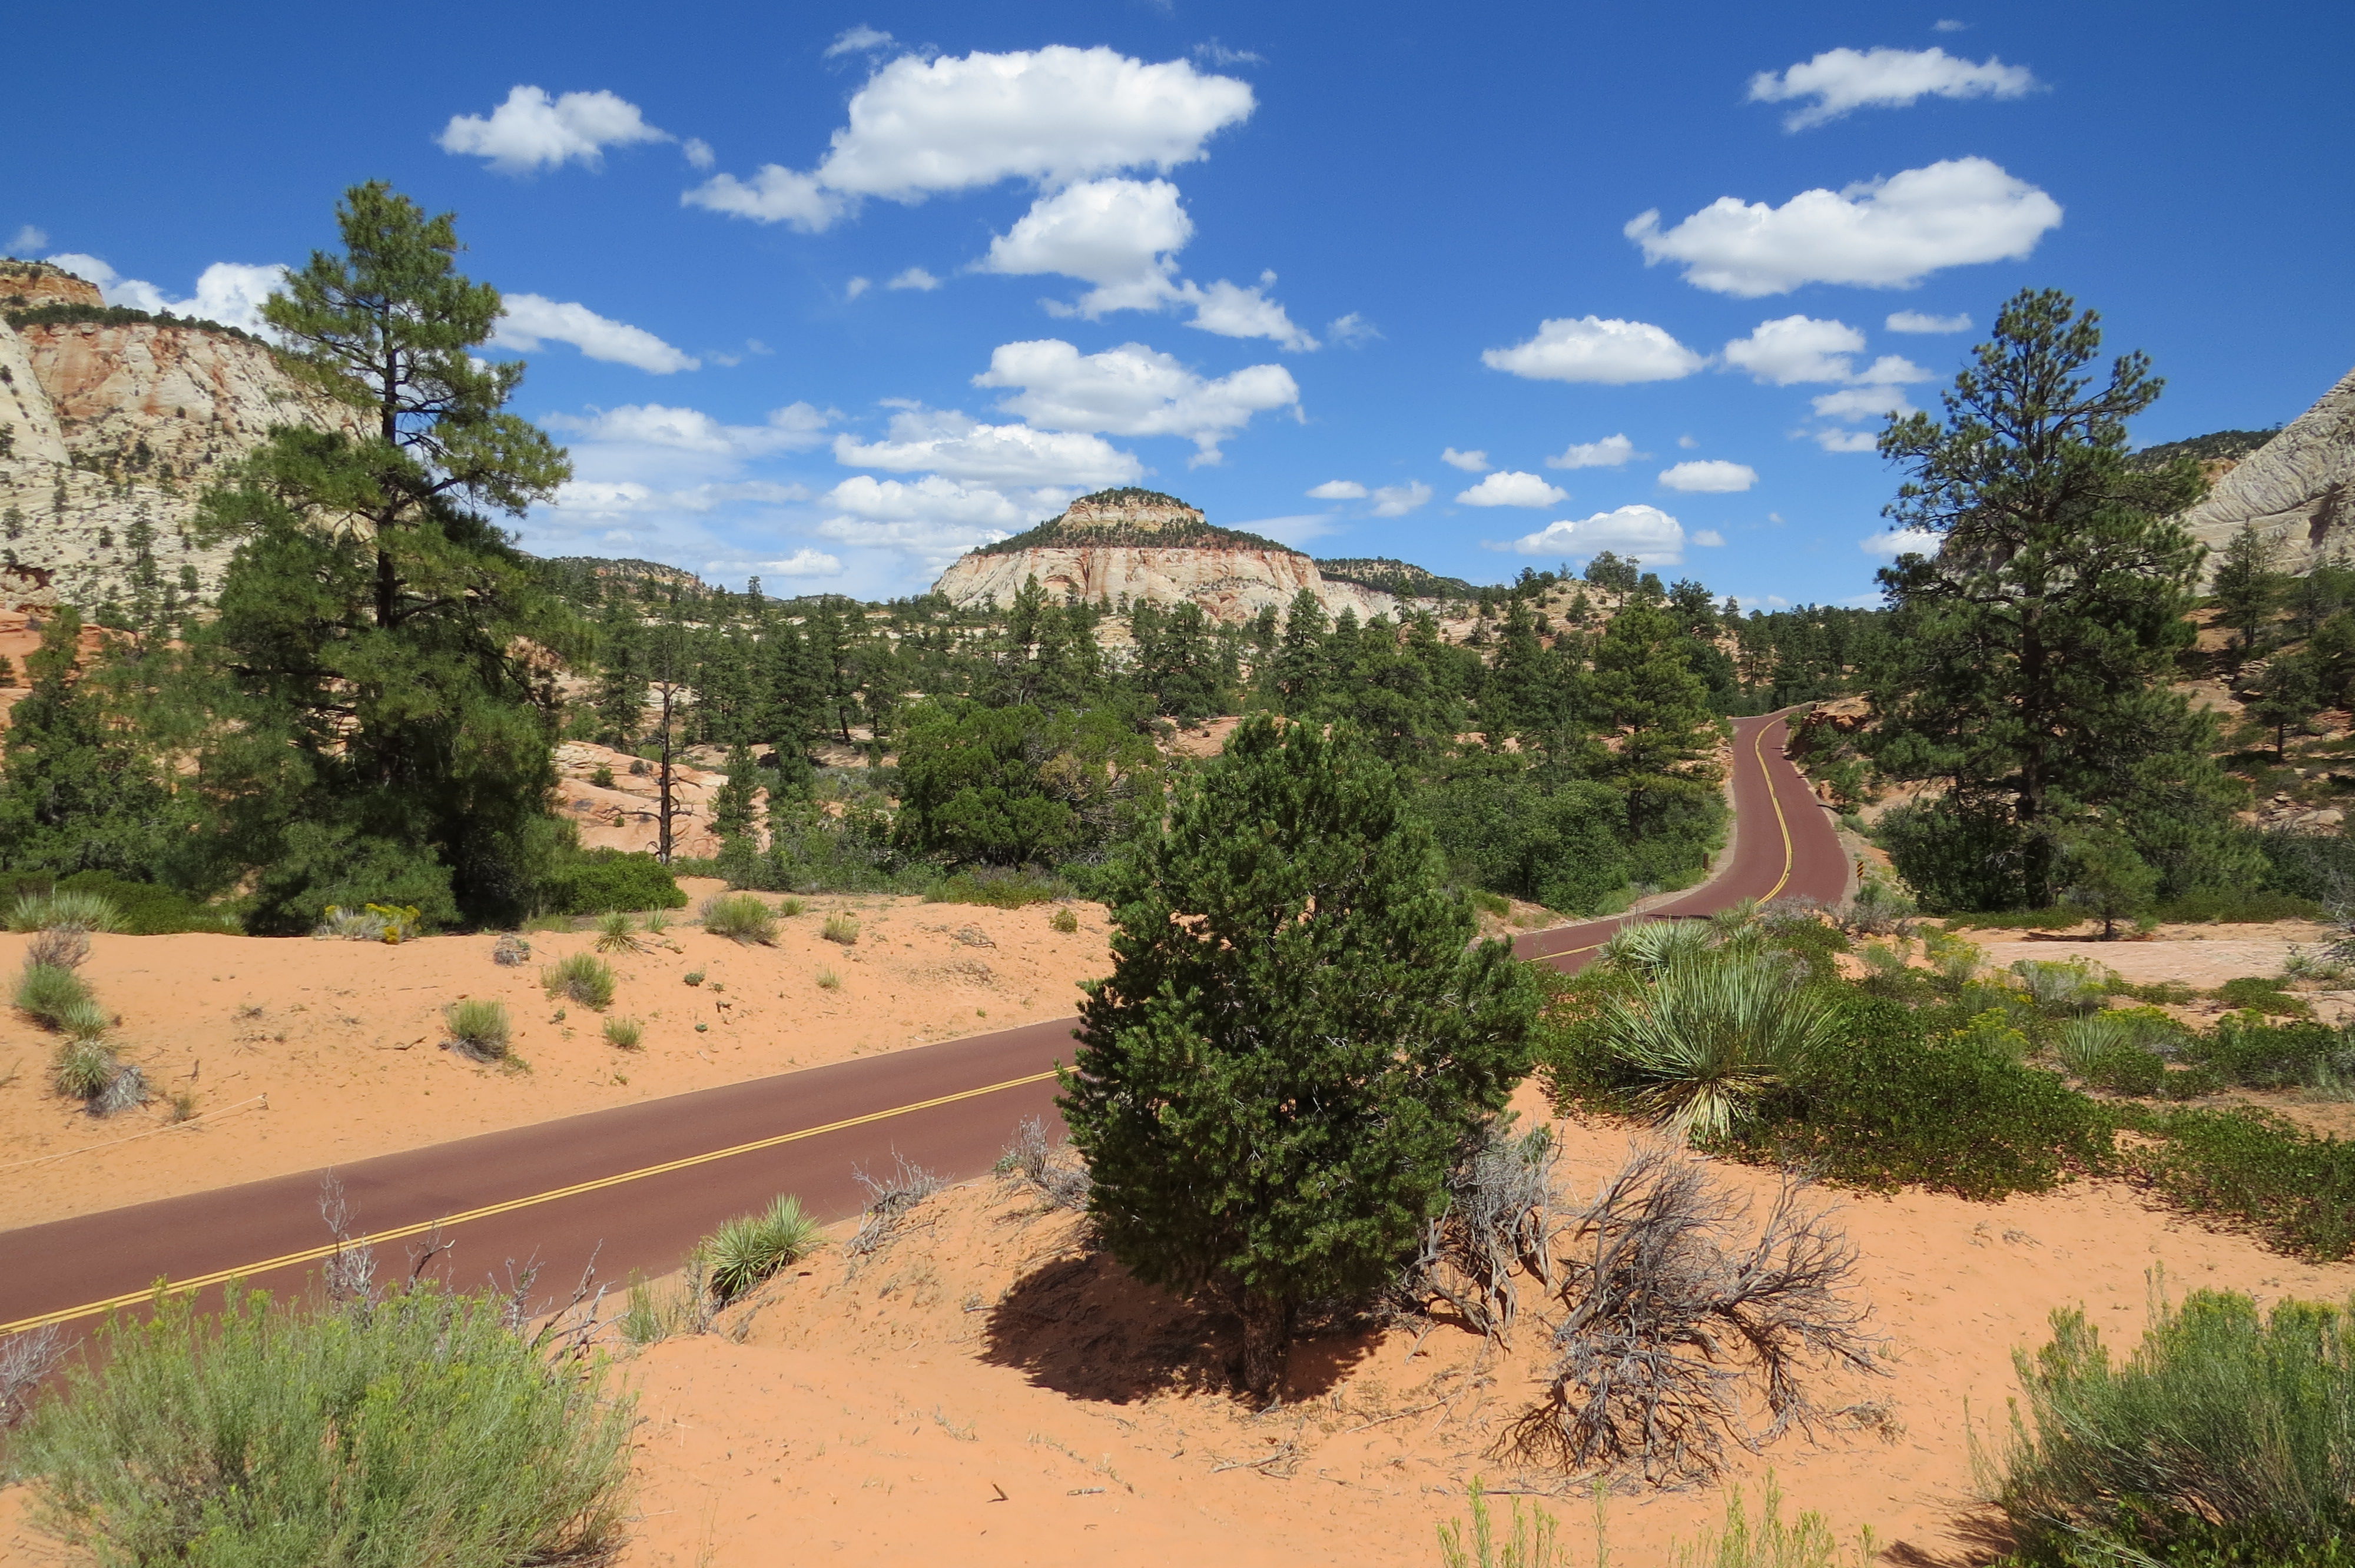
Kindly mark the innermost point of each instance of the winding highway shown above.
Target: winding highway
(633, 1187)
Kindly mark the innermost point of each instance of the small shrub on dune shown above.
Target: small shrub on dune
(739, 917)
(510, 950)
(582, 977)
(59, 946)
(2060, 988)
(479, 1028)
(411, 1432)
(828, 981)
(616, 933)
(750, 1247)
(64, 909)
(82, 1069)
(1065, 920)
(45, 992)
(842, 928)
(624, 1034)
(1711, 1034)
(84, 1020)
(2227, 1438)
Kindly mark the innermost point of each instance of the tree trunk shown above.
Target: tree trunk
(1267, 1336)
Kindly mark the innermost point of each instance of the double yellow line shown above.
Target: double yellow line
(402, 1233)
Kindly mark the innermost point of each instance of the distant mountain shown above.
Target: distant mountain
(2227, 447)
(1399, 578)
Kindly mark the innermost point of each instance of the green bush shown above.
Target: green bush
(2257, 994)
(749, 1248)
(67, 909)
(598, 882)
(1066, 920)
(46, 992)
(479, 1028)
(996, 890)
(624, 1034)
(1883, 1106)
(2228, 1437)
(141, 908)
(582, 977)
(739, 917)
(2252, 1052)
(415, 1433)
(2237, 906)
(2293, 1187)
(1712, 1034)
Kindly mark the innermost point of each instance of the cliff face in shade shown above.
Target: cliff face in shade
(1109, 544)
(116, 425)
(2298, 489)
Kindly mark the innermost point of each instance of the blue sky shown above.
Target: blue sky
(1396, 257)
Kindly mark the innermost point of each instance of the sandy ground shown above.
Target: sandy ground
(985, 1391)
(344, 1038)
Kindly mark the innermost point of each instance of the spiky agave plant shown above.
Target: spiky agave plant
(1712, 1034)
(750, 1247)
(1648, 947)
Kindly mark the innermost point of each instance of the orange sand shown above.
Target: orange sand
(344, 1038)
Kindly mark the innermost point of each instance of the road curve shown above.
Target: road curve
(633, 1187)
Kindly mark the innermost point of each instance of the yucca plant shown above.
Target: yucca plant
(583, 976)
(2083, 1042)
(616, 934)
(624, 1034)
(1650, 946)
(479, 1028)
(64, 909)
(2058, 986)
(739, 917)
(84, 1020)
(45, 992)
(82, 1069)
(1711, 1034)
(749, 1248)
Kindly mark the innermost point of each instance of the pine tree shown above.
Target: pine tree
(80, 792)
(2029, 657)
(1296, 1040)
(2246, 587)
(387, 718)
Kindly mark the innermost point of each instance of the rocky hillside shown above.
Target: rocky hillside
(111, 422)
(2299, 488)
(1140, 544)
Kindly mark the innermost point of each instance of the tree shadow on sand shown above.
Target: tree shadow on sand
(1083, 1325)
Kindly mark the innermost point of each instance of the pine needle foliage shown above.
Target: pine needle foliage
(1297, 1037)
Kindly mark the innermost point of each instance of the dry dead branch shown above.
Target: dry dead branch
(1499, 1223)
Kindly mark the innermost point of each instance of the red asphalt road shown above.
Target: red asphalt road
(634, 1187)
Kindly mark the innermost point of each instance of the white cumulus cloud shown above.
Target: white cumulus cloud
(532, 131)
(529, 319)
(1473, 461)
(1868, 402)
(953, 445)
(1611, 451)
(797, 426)
(1899, 542)
(1882, 234)
(914, 277)
(919, 127)
(1132, 390)
(1352, 330)
(1509, 487)
(1848, 440)
(1797, 348)
(805, 563)
(28, 240)
(1590, 348)
(1708, 538)
(1398, 500)
(1647, 534)
(1339, 490)
(230, 293)
(1709, 476)
(1839, 81)
(858, 40)
(1921, 321)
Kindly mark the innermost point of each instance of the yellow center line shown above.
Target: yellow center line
(314, 1254)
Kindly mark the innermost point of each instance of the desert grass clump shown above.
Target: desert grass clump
(657, 1312)
(59, 946)
(828, 981)
(1711, 1034)
(65, 909)
(1771, 1541)
(840, 928)
(2227, 1436)
(1530, 1542)
(46, 992)
(583, 978)
(1065, 920)
(83, 1070)
(617, 934)
(479, 1028)
(2060, 988)
(84, 1020)
(624, 1034)
(405, 1433)
(1665, 1285)
(739, 917)
(749, 1248)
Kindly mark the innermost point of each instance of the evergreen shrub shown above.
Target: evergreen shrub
(598, 882)
(2249, 1167)
(141, 908)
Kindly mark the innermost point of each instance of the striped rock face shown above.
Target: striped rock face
(2298, 489)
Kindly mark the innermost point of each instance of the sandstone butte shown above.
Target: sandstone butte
(2298, 489)
(112, 421)
(1140, 545)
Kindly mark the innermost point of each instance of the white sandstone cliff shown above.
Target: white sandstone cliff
(2298, 489)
